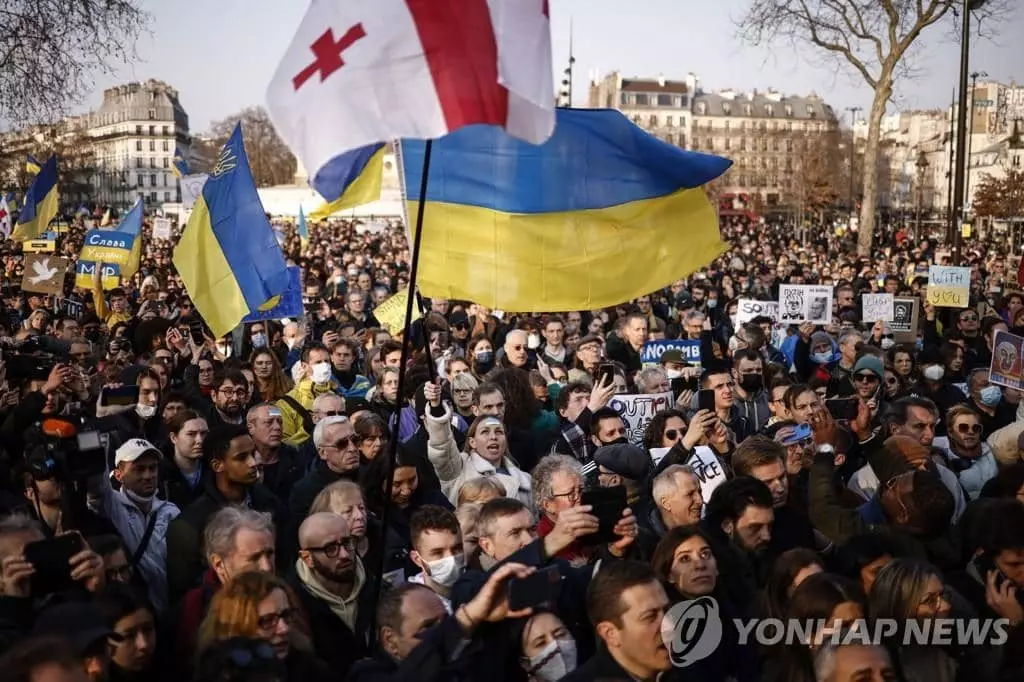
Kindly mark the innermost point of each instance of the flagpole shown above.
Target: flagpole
(406, 349)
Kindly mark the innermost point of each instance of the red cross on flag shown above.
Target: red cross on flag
(360, 72)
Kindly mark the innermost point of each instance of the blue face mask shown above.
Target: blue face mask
(821, 358)
(990, 396)
(259, 340)
(712, 303)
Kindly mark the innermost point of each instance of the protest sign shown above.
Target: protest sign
(39, 246)
(652, 350)
(1007, 354)
(658, 454)
(70, 308)
(108, 246)
(391, 313)
(799, 303)
(637, 410)
(191, 189)
(748, 309)
(877, 307)
(949, 286)
(290, 304)
(44, 274)
(110, 277)
(904, 320)
(708, 468)
(161, 228)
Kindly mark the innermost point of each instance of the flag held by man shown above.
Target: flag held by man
(120, 247)
(363, 72)
(42, 200)
(228, 257)
(601, 213)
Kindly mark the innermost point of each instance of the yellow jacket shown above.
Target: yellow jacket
(292, 420)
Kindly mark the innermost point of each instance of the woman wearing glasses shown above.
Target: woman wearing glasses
(259, 606)
(966, 453)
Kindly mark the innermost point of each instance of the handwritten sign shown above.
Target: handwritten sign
(1007, 359)
(708, 468)
(652, 351)
(750, 309)
(161, 228)
(191, 189)
(799, 303)
(949, 286)
(391, 313)
(71, 308)
(877, 307)
(290, 304)
(637, 410)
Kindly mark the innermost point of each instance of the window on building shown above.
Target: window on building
(636, 119)
(726, 108)
(152, 145)
(741, 180)
(152, 117)
(623, 99)
(167, 147)
(167, 196)
(769, 110)
(167, 130)
(140, 180)
(711, 144)
(728, 145)
(670, 121)
(789, 145)
(166, 162)
(1016, 159)
(152, 162)
(165, 179)
(641, 100)
(811, 112)
(138, 130)
(702, 108)
(152, 179)
(138, 162)
(789, 111)
(138, 145)
(743, 144)
(152, 197)
(747, 110)
(665, 100)
(775, 144)
(152, 130)
(653, 120)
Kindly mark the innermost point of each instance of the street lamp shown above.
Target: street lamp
(922, 168)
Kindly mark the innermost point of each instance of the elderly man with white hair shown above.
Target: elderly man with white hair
(678, 500)
(338, 458)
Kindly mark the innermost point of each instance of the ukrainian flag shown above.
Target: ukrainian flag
(32, 167)
(41, 203)
(599, 214)
(302, 228)
(179, 163)
(118, 250)
(228, 257)
(349, 180)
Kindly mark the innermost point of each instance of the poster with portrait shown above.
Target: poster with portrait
(1007, 354)
(903, 324)
(800, 303)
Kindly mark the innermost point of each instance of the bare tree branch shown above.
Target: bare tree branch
(270, 160)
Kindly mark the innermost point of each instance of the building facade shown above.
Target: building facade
(659, 106)
(134, 134)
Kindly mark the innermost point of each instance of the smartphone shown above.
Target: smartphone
(706, 400)
(606, 374)
(195, 329)
(51, 558)
(681, 384)
(122, 395)
(538, 588)
(608, 505)
(843, 408)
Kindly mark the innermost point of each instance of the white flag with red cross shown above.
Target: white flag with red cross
(360, 72)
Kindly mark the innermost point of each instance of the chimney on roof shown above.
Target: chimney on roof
(661, 80)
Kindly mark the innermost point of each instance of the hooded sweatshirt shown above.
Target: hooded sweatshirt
(344, 608)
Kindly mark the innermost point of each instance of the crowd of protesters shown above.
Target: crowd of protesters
(179, 507)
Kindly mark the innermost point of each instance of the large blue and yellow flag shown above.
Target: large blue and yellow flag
(302, 228)
(180, 163)
(118, 251)
(599, 214)
(349, 180)
(32, 166)
(41, 203)
(228, 257)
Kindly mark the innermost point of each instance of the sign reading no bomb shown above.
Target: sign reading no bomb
(653, 350)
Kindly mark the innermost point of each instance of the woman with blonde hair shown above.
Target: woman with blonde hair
(259, 606)
(480, 490)
(345, 498)
(271, 381)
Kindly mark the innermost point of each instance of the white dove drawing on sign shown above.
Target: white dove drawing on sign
(42, 271)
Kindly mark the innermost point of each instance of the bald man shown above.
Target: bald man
(515, 349)
(331, 583)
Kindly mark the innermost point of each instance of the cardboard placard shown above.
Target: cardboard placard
(905, 312)
(800, 303)
(391, 313)
(39, 246)
(949, 286)
(638, 409)
(44, 274)
(877, 307)
(162, 228)
(748, 309)
(1007, 360)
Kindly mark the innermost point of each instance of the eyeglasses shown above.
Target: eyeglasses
(332, 549)
(342, 443)
(330, 413)
(865, 378)
(968, 428)
(269, 621)
(238, 392)
(968, 318)
(574, 494)
(119, 574)
(936, 600)
(673, 434)
(460, 327)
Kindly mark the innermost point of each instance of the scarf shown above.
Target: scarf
(345, 609)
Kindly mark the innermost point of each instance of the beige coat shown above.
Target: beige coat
(455, 468)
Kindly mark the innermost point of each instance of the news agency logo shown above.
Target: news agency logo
(692, 631)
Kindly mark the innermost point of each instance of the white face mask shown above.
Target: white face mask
(145, 411)
(224, 350)
(290, 342)
(446, 571)
(533, 341)
(934, 372)
(887, 344)
(673, 373)
(555, 661)
(321, 373)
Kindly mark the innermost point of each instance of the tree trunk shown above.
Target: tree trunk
(866, 229)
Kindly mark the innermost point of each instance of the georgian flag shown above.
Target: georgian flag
(360, 72)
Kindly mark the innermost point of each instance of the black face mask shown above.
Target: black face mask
(751, 383)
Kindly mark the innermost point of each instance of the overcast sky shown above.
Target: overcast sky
(221, 54)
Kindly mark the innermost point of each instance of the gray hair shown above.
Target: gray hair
(664, 484)
(845, 336)
(318, 402)
(319, 433)
(465, 382)
(222, 529)
(18, 523)
(646, 378)
(545, 469)
(826, 655)
(692, 315)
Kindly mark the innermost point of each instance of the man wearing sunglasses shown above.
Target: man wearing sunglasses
(966, 453)
(337, 459)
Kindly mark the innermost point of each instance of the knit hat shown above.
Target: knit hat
(870, 363)
(818, 338)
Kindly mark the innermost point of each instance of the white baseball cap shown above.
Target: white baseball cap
(133, 449)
